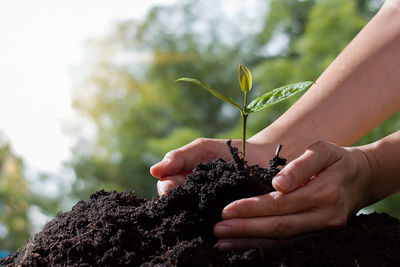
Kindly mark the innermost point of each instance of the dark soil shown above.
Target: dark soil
(120, 229)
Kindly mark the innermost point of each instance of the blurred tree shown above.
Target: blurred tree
(136, 106)
(17, 199)
(313, 38)
(139, 114)
(14, 201)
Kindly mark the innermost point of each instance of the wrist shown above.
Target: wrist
(368, 173)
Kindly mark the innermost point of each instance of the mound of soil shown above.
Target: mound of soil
(120, 229)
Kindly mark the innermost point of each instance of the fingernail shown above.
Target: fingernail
(222, 230)
(229, 213)
(282, 181)
(155, 169)
(163, 162)
(224, 245)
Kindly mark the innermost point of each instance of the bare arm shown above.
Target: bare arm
(384, 160)
(357, 92)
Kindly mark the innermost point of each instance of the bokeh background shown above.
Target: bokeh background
(88, 99)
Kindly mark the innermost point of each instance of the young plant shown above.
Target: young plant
(245, 80)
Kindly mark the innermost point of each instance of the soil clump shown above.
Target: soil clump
(120, 229)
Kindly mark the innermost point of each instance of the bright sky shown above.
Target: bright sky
(40, 42)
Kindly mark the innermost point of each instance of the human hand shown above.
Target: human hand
(320, 189)
(177, 164)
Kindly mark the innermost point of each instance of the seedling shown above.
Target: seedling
(245, 80)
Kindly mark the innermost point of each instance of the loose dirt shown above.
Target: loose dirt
(120, 229)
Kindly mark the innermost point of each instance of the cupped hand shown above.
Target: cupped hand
(320, 189)
(177, 164)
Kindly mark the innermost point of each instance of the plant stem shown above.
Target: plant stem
(244, 120)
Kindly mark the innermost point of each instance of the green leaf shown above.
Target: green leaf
(212, 91)
(277, 95)
(245, 78)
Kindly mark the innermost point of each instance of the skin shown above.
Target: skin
(324, 183)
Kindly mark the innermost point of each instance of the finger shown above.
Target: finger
(316, 158)
(278, 203)
(274, 203)
(165, 184)
(242, 243)
(272, 226)
(184, 159)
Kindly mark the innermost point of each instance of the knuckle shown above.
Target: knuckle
(323, 145)
(169, 154)
(252, 202)
(318, 146)
(200, 141)
(173, 154)
(180, 152)
(205, 144)
(321, 148)
(279, 226)
(248, 207)
(278, 203)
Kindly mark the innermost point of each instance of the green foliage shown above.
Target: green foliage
(332, 25)
(17, 198)
(389, 205)
(277, 95)
(212, 91)
(14, 201)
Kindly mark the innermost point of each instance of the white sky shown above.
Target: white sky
(40, 42)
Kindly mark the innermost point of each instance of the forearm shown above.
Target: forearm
(357, 92)
(384, 161)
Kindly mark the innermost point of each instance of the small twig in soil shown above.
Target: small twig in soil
(278, 149)
(233, 150)
(240, 163)
(276, 160)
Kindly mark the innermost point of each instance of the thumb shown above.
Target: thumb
(317, 157)
(169, 166)
(184, 159)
